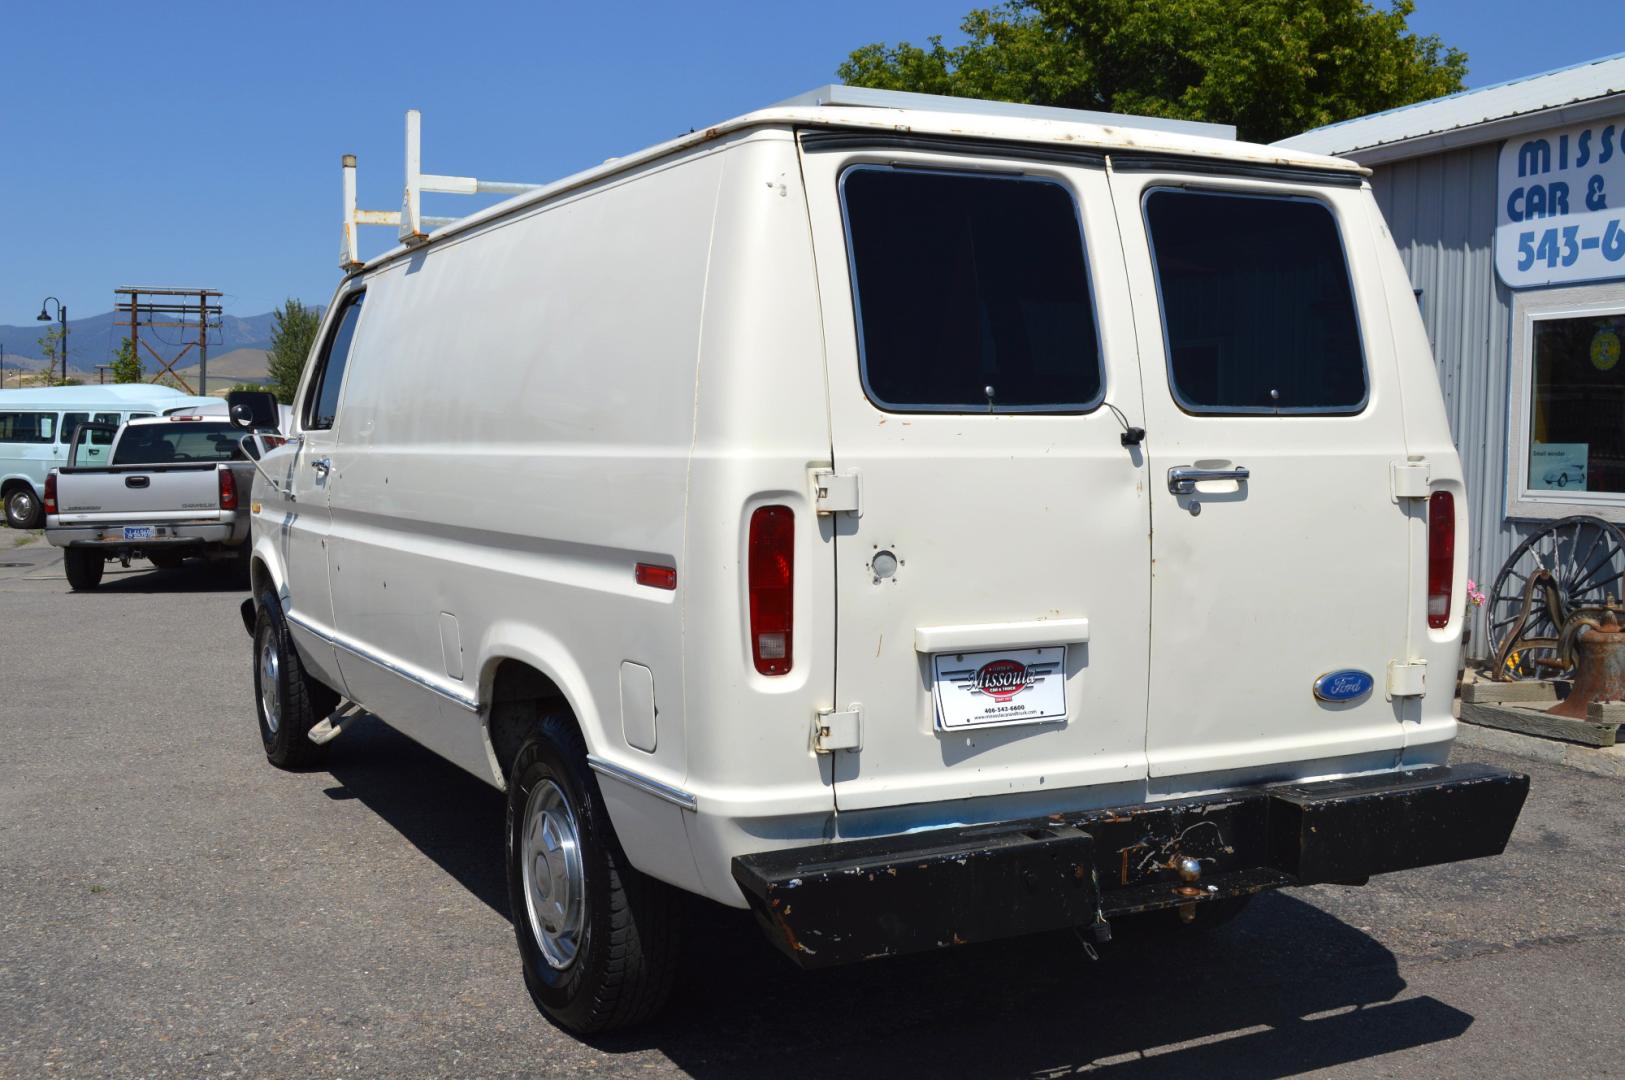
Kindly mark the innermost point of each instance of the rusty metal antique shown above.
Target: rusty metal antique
(1597, 643)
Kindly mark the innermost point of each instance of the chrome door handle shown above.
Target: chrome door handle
(321, 464)
(1182, 479)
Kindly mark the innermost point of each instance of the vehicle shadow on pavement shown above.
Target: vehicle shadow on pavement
(1284, 989)
(190, 578)
(451, 817)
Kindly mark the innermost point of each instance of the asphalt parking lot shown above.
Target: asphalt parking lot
(172, 905)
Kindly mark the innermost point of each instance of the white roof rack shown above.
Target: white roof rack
(864, 97)
(862, 110)
(409, 220)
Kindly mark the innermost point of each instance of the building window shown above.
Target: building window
(1570, 385)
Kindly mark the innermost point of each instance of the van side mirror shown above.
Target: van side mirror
(253, 410)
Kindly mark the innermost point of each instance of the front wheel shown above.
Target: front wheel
(289, 699)
(84, 567)
(598, 939)
(23, 509)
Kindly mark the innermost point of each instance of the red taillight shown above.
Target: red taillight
(228, 490)
(1441, 556)
(772, 558)
(656, 577)
(50, 493)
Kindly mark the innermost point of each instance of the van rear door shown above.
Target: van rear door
(992, 558)
(1269, 370)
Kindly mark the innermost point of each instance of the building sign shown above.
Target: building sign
(1561, 216)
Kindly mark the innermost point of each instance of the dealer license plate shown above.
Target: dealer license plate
(138, 532)
(1011, 686)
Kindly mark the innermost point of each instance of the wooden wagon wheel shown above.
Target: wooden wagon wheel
(1585, 557)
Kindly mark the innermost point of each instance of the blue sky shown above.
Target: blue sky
(198, 144)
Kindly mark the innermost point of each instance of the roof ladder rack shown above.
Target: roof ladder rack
(410, 221)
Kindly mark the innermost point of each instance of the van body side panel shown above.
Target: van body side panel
(540, 455)
(761, 422)
(1262, 585)
(1429, 726)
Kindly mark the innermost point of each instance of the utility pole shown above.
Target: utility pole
(203, 343)
(174, 313)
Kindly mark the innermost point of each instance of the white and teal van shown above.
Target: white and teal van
(35, 426)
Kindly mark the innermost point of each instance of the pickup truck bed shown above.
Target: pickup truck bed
(171, 491)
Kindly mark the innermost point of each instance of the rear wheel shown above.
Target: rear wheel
(289, 699)
(84, 567)
(23, 508)
(598, 940)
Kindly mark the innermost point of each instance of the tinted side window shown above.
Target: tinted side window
(322, 401)
(1257, 307)
(26, 427)
(70, 421)
(971, 291)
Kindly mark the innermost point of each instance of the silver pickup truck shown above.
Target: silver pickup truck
(174, 486)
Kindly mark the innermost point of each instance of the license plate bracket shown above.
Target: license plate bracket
(999, 688)
(139, 532)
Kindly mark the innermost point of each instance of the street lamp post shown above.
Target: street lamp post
(62, 316)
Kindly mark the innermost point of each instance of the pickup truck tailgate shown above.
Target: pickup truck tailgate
(132, 493)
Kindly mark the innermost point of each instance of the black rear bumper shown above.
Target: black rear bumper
(858, 899)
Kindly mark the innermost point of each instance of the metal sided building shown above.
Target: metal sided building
(1508, 207)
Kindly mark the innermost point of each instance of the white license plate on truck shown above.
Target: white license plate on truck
(1010, 686)
(138, 532)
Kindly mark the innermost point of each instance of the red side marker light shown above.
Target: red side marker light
(656, 577)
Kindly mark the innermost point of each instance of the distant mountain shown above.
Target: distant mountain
(94, 341)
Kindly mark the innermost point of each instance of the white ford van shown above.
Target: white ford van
(921, 522)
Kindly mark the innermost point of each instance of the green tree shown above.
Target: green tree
(1273, 68)
(291, 340)
(126, 366)
(50, 344)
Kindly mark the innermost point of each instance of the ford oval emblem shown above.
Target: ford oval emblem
(1346, 685)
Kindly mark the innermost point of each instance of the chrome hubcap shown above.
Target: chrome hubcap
(555, 881)
(22, 506)
(270, 669)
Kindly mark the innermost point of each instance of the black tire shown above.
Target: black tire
(625, 957)
(84, 567)
(23, 508)
(166, 560)
(301, 700)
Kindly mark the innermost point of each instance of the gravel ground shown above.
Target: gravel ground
(171, 905)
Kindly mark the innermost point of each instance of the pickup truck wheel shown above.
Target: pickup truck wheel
(23, 508)
(290, 701)
(84, 567)
(598, 940)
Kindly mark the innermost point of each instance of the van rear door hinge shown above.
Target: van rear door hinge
(834, 731)
(1407, 679)
(1409, 480)
(837, 492)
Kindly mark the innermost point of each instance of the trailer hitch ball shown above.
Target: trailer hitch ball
(1190, 872)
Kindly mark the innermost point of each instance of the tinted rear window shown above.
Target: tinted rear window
(969, 284)
(177, 441)
(1256, 303)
